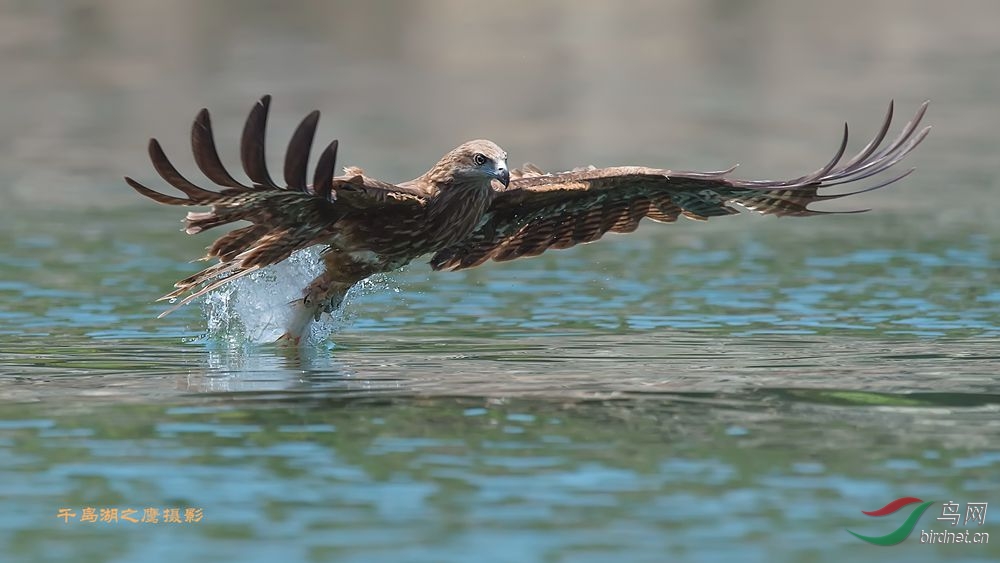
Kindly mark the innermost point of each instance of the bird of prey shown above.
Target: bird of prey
(467, 209)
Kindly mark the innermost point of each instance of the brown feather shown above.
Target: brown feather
(285, 218)
(454, 210)
(252, 145)
(232, 243)
(599, 200)
(205, 154)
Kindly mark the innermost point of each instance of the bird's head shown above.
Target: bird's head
(473, 161)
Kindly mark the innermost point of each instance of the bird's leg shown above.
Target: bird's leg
(331, 302)
(323, 295)
(301, 317)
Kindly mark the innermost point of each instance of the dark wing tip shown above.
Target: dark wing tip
(871, 160)
(155, 195)
(792, 197)
(203, 117)
(323, 175)
(297, 154)
(205, 154)
(252, 145)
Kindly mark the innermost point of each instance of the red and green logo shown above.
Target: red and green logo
(903, 531)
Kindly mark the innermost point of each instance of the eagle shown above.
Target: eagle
(467, 209)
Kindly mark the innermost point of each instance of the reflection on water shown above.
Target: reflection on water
(734, 390)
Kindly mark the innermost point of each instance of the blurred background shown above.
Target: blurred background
(739, 389)
(672, 84)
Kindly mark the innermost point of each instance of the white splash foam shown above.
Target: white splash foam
(256, 308)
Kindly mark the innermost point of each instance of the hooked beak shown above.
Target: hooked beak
(503, 175)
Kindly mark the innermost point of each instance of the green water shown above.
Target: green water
(744, 398)
(737, 390)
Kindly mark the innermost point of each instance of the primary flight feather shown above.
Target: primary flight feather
(467, 209)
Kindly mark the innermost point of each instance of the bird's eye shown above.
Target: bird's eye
(479, 159)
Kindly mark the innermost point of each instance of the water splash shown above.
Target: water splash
(255, 309)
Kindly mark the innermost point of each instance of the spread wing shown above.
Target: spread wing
(538, 211)
(284, 217)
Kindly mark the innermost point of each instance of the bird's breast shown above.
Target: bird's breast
(395, 234)
(454, 215)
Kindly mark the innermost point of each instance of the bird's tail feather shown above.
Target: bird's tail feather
(321, 296)
(229, 245)
(302, 316)
(240, 252)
